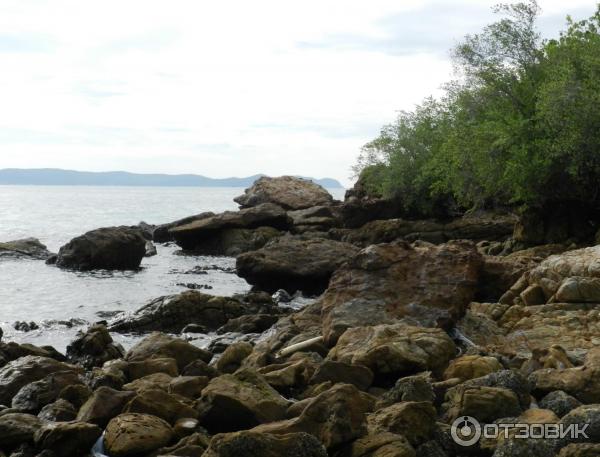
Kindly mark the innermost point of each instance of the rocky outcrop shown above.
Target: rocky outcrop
(235, 241)
(429, 285)
(199, 234)
(161, 234)
(294, 263)
(27, 248)
(111, 248)
(174, 312)
(289, 192)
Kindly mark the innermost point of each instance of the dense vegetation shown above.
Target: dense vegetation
(519, 127)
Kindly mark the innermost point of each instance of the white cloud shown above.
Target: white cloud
(218, 88)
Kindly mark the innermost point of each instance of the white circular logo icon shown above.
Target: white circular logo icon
(466, 431)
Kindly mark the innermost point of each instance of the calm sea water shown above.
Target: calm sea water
(33, 291)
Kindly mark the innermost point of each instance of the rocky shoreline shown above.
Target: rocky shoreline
(414, 325)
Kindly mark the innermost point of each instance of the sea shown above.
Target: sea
(62, 302)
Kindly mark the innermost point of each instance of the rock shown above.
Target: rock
(249, 323)
(340, 372)
(233, 357)
(506, 379)
(233, 402)
(525, 448)
(471, 366)
(381, 445)
(393, 350)
(150, 249)
(485, 404)
(111, 248)
(59, 411)
(35, 395)
(580, 450)
(294, 263)
(104, 404)
(192, 445)
(67, 439)
(25, 370)
(159, 345)
(27, 248)
(200, 232)
(76, 394)
(133, 434)
(388, 282)
(23, 326)
(232, 242)
(336, 417)
(143, 368)
(409, 389)
(559, 402)
(289, 192)
(161, 404)
(415, 420)
(188, 386)
(317, 218)
(253, 444)
(152, 381)
(17, 428)
(288, 375)
(94, 347)
(585, 414)
(172, 313)
(162, 233)
(200, 368)
(499, 273)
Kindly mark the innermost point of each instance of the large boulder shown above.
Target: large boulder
(110, 248)
(200, 232)
(392, 350)
(431, 285)
(136, 434)
(233, 402)
(172, 313)
(158, 345)
(17, 428)
(294, 263)
(27, 248)
(289, 192)
(161, 233)
(253, 444)
(25, 370)
(104, 404)
(35, 395)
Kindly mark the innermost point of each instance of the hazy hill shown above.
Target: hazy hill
(52, 176)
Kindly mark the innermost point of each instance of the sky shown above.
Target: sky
(223, 88)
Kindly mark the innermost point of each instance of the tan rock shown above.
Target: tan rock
(104, 404)
(485, 404)
(380, 445)
(132, 434)
(66, 439)
(143, 368)
(414, 420)
(160, 404)
(158, 345)
(233, 357)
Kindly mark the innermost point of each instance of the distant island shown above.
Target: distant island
(57, 177)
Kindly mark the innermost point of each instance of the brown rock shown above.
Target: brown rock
(143, 368)
(340, 372)
(133, 434)
(485, 404)
(159, 403)
(233, 357)
(17, 428)
(67, 439)
(415, 420)
(104, 404)
(471, 366)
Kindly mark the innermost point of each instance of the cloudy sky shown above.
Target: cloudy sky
(227, 88)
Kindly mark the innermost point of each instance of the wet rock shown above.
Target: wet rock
(162, 233)
(289, 192)
(559, 402)
(159, 345)
(133, 434)
(415, 420)
(384, 283)
(34, 396)
(174, 312)
(340, 372)
(27, 248)
(253, 444)
(67, 439)
(198, 233)
(25, 370)
(23, 326)
(59, 411)
(239, 401)
(104, 404)
(294, 263)
(393, 350)
(111, 248)
(150, 249)
(161, 404)
(94, 347)
(17, 428)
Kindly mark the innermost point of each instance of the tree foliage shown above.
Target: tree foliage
(520, 126)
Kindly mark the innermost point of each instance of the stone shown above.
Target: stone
(27, 248)
(35, 395)
(580, 450)
(485, 404)
(231, 242)
(249, 323)
(200, 232)
(67, 439)
(110, 248)
(58, 411)
(320, 218)
(161, 233)
(471, 366)
(152, 381)
(159, 345)
(17, 428)
(25, 370)
(427, 285)
(340, 372)
(583, 383)
(94, 347)
(192, 445)
(414, 420)
(233, 357)
(393, 350)
(559, 402)
(161, 404)
(233, 402)
(585, 414)
(133, 434)
(172, 313)
(380, 445)
(253, 444)
(188, 386)
(289, 192)
(104, 404)
(142, 368)
(409, 389)
(294, 263)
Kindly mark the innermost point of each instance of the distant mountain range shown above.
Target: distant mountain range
(55, 177)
